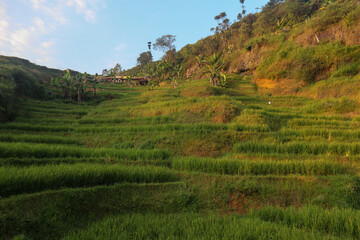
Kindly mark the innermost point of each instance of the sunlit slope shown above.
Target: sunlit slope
(145, 161)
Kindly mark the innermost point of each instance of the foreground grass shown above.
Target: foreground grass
(339, 222)
(16, 180)
(190, 226)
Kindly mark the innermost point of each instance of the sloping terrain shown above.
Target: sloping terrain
(146, 163)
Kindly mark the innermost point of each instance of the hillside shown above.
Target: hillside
(20, 78)
(309, 48)
(272, 152)
(192, 162)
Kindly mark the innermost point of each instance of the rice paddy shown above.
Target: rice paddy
(193, 162)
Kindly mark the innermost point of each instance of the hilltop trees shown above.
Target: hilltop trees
(222, 28)
(166, 44)
(117, 69)
(105, 72)
(145, 58)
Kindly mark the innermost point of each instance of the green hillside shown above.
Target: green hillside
(303, 47)
(20, 78)
(188, 162)
(269, 150)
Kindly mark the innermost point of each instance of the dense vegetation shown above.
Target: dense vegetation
(189, 159)
(132, 166)
(18, 79)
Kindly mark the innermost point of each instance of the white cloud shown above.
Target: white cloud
(121, 47)
(86, 8)
(32, 37)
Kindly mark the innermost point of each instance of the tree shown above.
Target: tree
(166, 44)
(144, 58)
(177, 75)
(105, 72)
(243, 7)
(214, 65)
(80, 85)
(117, 69)
(222, 27)
(93, 82)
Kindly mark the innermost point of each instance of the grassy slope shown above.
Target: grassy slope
(20, 78)
(194, 135)
(319, 46)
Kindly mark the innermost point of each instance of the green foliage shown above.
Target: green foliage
(341, 105)
(190, 226)
(17, 180)
(214, 67)
(265, 167)
(337, 221)
(298, 148)
(144, 58)
(46, 151)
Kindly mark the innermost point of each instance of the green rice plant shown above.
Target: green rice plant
(152, 120)
(190, 226)
(298, 122)
(45, 120)
(55, 111)
(17, 180)
(36, 128)
(336, 221)
(319, 132)
(26, 150)
(260, 167)
(331, 105)
(298, 148)
(50, 139)
(200, 127)
(31, 161)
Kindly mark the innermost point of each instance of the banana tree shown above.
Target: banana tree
(130, 80)
(80, 85)
(93, 83)
(214, 66)
(177, 75)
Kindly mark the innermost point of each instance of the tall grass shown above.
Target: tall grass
(37, 139)
(298, 122)
(189, 226)
(36, 127)
(153, 120)
(56, 111)
(339, 222)
(298, 148)
(319, 132)
(17, 180)
(261, 167)
(23, 150)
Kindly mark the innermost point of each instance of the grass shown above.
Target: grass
(298, 148)
(147, 154)
(17, 180)
(59, 151)
(190, 226)
(261, 167)
(337, 221)
(38, 139)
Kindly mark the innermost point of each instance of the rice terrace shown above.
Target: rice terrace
(251, 132)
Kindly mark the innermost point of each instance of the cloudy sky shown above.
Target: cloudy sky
(90, 35)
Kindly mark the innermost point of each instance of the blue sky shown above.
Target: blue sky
(90, 35)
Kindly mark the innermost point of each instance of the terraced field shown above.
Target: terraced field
(193, 162)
